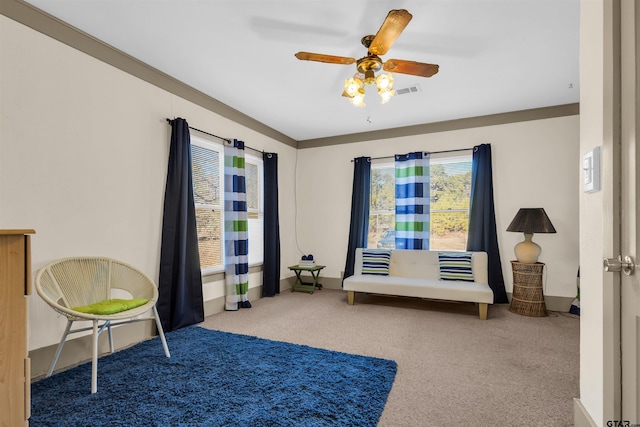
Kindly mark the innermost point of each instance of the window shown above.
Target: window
(450, 178)
(207, 163)
(253, 175)
(207, 160)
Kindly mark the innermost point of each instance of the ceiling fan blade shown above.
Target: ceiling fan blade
(393, 25)
(410, 67)
(330, 59)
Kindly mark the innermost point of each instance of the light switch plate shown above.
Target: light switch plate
(591, 170)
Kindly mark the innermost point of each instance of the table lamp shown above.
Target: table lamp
(529, 221)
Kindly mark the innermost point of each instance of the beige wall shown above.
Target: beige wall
(533, 166)
(83, 158)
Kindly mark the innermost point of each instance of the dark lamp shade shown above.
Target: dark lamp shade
(531, 220)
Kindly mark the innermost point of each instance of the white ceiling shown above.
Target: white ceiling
(495, 56)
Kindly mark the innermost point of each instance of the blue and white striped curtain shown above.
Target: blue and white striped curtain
(412, 201)
(236, 226)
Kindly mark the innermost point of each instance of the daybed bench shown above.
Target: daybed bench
(440, 275)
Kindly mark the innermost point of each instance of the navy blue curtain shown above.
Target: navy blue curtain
(483, 235)
(360, 196)
(180, 301)
(271, 268)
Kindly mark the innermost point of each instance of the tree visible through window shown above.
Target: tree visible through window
(382, 209)
(450, 200)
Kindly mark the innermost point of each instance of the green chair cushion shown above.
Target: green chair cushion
(112, 306)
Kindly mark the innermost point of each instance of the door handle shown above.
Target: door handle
(613, 265)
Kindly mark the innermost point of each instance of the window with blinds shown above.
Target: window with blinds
(207, 162)
(208, 174)
(450, 201)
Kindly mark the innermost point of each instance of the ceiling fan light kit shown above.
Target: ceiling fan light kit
(354, 87)
(395, 22)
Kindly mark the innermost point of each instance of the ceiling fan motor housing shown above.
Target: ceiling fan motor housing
(369, 63)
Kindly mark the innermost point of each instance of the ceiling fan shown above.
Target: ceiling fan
(389, 31)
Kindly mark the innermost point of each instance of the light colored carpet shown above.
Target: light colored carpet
(453, 369)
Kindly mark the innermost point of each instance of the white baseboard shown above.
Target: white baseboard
(581, 417)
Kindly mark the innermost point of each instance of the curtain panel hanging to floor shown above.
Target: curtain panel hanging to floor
(271, 268)
(483, 234)
(412, 201)
(360, 197)
(236, 227)
(180, 301)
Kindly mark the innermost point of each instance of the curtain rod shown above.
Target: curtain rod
(428, 152)
(219, 137)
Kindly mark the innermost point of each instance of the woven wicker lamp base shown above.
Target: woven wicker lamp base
(528, 298)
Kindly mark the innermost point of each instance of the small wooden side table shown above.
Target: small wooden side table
(527, 298)
(306, 286)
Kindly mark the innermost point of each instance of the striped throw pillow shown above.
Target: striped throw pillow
(455, 266)
(376, 261)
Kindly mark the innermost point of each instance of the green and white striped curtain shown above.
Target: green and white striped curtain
(412, 201)
(236, 225)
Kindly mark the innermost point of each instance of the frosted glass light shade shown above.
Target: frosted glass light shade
(353, 87)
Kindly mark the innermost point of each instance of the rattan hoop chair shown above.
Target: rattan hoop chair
(70, 283)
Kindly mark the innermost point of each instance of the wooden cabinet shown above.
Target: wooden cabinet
(15, 285)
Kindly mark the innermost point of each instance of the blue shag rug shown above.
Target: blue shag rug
(217, 378)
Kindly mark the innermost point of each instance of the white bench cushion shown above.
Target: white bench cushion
(420, 288)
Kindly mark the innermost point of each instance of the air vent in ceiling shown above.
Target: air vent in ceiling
(408, 90)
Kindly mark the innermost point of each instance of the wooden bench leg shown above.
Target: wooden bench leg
(351, 297)
(483, 307)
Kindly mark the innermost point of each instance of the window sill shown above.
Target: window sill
(212, 272)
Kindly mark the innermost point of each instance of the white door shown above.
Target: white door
(629, 210)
